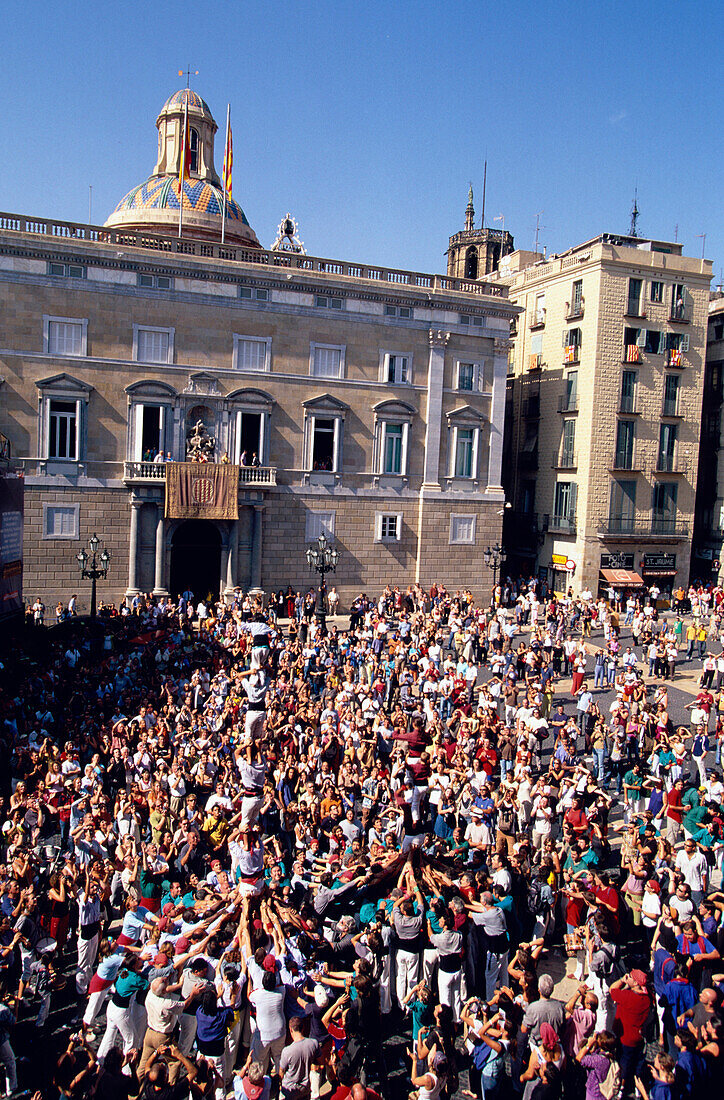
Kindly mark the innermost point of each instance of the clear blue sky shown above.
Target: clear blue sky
(368, 119)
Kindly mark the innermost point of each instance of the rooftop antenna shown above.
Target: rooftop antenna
(90, 203)
(538, 227)
(188, 74)
(485, 180)
(634, 215)
(676, 233)
(703, 243)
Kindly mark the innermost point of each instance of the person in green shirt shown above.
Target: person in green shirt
(420, 1004)
(632, 786)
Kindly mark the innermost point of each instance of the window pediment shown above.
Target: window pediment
(64, 383)
(252, 397)
(203, 384)
(397, 409)
(325, 403)
(466, 414)
(151, 389)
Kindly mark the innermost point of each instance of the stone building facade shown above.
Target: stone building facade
(604, 412)
(708, 546)
(372, 398)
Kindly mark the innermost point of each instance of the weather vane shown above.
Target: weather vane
(188, 74)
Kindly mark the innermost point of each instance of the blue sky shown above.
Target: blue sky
(367, 120)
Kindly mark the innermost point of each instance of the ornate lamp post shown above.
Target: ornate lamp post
(98, 566)
(494, 557)
(323, 558)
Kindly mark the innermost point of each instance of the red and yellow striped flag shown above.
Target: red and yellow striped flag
(184, 171)
(228, 155)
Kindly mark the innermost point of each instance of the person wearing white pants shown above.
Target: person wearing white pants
(123, 1015)
(7, 1054)
(89, 926)
(449, 946)
(408, 926)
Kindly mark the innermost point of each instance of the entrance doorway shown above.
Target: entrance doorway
(196, 558)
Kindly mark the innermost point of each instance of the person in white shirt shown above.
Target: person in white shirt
(691, 862)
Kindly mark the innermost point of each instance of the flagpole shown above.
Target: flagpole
(182, 169)
(223, 182)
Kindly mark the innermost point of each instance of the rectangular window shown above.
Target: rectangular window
(622, 508)
(679, 296)
(319, 523)
(671, 395)
(564, 504)
(60, 521)
(577, 298)
(623, 459)
(323, 444)
(327, 361)
(571, 394)
(252, 353)
(462, 530)
(70, 271)
(153, 345)
(539, 316)
(628, 391)
(62, 429)
(388, 526)
(325, 301)
(154, 282)
(398, 311)
(470, 377)
(65, 338)
(654, 342)
(151, 432)
(633, 304)
(664, 507)
(667, 447)
(657, 291)
(392, 454)
(257, 293)
(536, 351)
(464, 442)
(397, 369)
(568, 449)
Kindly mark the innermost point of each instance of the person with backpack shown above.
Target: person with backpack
(631, 997)
(603, 1074)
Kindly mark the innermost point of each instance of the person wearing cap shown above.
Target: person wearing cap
(631, 997)
(162, 1011)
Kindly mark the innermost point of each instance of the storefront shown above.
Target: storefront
(562, 569)
(659, 571)
(617, 571)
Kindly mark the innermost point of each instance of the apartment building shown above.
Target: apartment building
(708, 545)
(603, 412)
(371, 400)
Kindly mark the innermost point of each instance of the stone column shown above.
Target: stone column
(433, 431)
(232, 556)
(497, 414)
(256, 548)
(132, 589)
(158, 585)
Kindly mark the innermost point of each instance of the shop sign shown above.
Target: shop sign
(659, 565)
(559, 559)
(617, 561)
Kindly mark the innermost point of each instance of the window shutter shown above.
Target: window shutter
(573, 501)
(684, 346)
(641, 338)
(564, 338)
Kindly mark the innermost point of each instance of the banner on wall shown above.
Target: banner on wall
(202, 490)
(12, 488)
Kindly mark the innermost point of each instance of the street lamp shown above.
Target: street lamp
(98, 566)
(323, 558)
(494, 556)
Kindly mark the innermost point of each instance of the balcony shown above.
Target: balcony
(531, 408)
(670, 409)
(673, 358)
(680, 314)
(575, 310)
(631, 353)
(627, 529)
(624, 461)
(562, 525)
(150, 473)
(535, 362)
(566, 461)
(568, 403)
(538, 320)
(572, 353)
(670, 464)
(627, 407)
(633, 309)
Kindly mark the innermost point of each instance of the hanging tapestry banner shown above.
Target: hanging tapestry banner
(202, 490)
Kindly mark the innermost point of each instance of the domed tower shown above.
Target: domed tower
(154, 204)
(475, 253)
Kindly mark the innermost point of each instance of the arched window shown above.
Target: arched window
(471, 263)
(194, 149)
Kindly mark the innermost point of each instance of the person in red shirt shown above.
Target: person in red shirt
(576, 817)
(633, 1004)
(607, 900)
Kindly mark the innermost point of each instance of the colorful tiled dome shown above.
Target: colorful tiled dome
(162, 193)
(179, 98)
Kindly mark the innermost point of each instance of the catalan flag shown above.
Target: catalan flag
(184, 170)
(228, 155)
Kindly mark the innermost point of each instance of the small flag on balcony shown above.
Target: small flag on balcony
(674, 357)
(228, 154)
(571, 355)
(533, 362)
(633, 353)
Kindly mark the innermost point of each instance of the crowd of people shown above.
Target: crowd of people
(259, 858)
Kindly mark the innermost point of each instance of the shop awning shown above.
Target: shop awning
(625, 577)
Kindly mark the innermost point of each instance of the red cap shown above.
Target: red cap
(270, 963)
(182, 945)
(161, 959)
(638, 976)
(168, 908)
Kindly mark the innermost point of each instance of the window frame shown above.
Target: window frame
(154, 283)
(170, 332)
(240, 338)
(69, 418)
(329, 301)
(653, 295)
(380, 518)
(478, 375)
(49, 320)
(387, 354)
(253, 293)
(80, 272)
(455, 539)
(313, 521)
(314, 346)
(51, 506)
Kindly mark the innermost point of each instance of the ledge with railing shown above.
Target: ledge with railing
(156, 471)
(680, 314)
(656, 529)
(568, 403)
(562, 525)
(187, 246)
(568, 460)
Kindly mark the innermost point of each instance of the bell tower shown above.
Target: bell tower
(474, 253)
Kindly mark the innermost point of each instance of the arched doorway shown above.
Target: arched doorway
(196, 558)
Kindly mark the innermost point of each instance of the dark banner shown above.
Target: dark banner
(11, 543)
(202, 490)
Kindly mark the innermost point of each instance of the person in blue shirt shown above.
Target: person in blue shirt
(663, 1087)
(691, 1069)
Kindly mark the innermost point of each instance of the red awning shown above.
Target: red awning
(625, 577)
